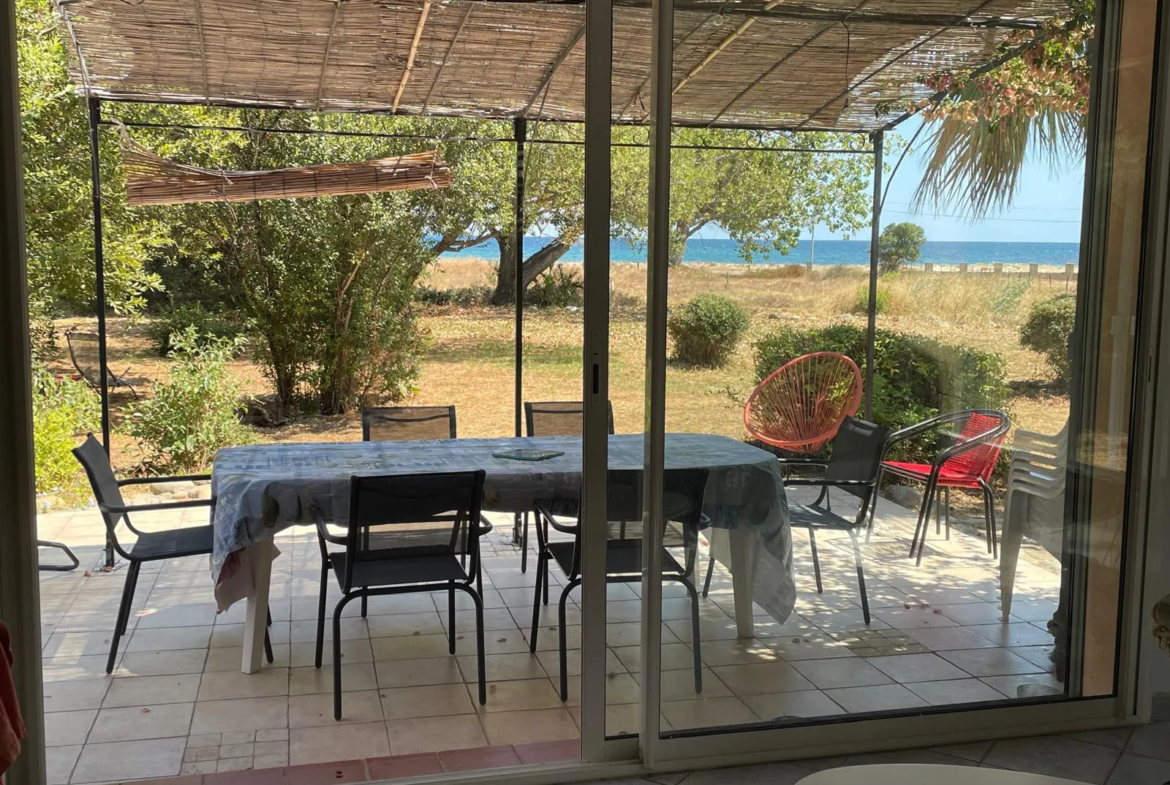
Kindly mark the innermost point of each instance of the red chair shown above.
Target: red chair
(966, 464)
(800, 406)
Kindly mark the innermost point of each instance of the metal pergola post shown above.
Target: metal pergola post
(875, 228)
(95, 165)
(520, 134)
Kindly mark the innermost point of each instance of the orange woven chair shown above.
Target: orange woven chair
(800, 406)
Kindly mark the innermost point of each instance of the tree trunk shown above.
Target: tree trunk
(533, 266)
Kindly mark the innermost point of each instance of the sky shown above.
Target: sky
(1047, 207)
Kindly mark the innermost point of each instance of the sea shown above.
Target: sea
(725, 251)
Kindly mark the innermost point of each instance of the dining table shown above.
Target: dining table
(260, 489)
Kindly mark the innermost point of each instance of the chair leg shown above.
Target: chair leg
(877, 491)
(321, 612)
(927, 502)
(540, 578)
(451, 617)
(337, 655)
(695, 635)
(544, 580)
(481, 659)
(364, 606)
(947, 510)
(268, 640)
(860, 576)
(812, 541)
(123, 614)
(710, 572)
(920, 529)
(938, 519)
(524, 544)
(563, 635)
(989, 514)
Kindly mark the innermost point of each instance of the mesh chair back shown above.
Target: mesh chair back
(857, 454)
(557, 418)
(412, 515)
(801, 405)
(106, 492)
(400, 423)
(979, 461)
(83, 350)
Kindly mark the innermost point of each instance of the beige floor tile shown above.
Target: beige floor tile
(304, 654)
(406, 624)
(844, 621)
(389, 604)
(761, 678)
(502, 667)
(74, 695)
(626, 634)
(680, 685)
(707, 713)
(66, 728)
(914, 618)
(59, 763)
(529, 727)
(990, 662)
(230, 657)
(515, 696)
(169, 639)
(432, 734)
(493, 619)
(950, 639)
(623, 720)
(439, 700)
(338, 742)
(60, 669)
(885, 697)
(546, 639)
(240, 715)
(225, 635)
(142, 722)
(309, 680)
(352, 628)
(817, 646)
(675, 656)
(418, 673)
(807, 703)
(150, 690)
(1010, 685)
(130, 760)
(161, 663)
(971, 613)
(738, 651)
(620, 689)
(81, 644)
(551, 663)
(1017, 634)
(709, 630)
(942, 693)
(905, 668)
(413, 648)
(228, 685)
(1040, 656)
(307, 711)
(157, 614)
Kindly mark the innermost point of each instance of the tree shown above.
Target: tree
(899, 244)
(984, 126)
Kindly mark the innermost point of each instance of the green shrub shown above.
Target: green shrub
(707, 330)
(63, 409)
(558, 287)
(463, 297)
(194, 315)
(196, 412)
(861, 304)
(914, 377)
(1049, 329)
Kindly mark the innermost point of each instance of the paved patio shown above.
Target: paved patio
(178, 703)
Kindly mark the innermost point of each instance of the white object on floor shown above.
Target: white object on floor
(927, 774)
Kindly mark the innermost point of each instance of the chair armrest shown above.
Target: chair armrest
(804, 461)
(835, 483)
(121, 509)
(152, 480)
(563, 528)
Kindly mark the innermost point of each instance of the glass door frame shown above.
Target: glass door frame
(834, 735)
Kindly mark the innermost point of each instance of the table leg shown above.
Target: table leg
(256, 623)
(741, 582)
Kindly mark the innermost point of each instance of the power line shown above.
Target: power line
(980, 220)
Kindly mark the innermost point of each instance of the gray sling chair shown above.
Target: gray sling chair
(853, 467)
(85, 353)
(683, 503)
(150, 546)
(403, 536)
(403, 423)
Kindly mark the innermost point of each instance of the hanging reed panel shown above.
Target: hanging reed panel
(152, 179)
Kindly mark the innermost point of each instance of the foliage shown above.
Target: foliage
(914, 377)
(1048, 330)
(463, 296)
(62, 410)
(898, 245)
(207, 324)
(196, 412)
(986, 125)
(58, 203)
(557, 287)
(707, 330)
(861, 304)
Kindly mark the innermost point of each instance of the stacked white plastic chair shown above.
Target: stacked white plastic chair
(1034, 502)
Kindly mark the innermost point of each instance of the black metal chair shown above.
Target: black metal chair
(69, 554)
(150, 546)
(683, 502)
(403, 536)
(551, 418)
(84, 351)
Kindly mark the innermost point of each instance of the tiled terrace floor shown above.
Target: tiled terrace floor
(178, 703)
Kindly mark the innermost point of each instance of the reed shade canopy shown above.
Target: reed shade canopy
(851, 65)
(152, 179)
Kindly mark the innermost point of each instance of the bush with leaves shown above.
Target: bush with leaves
(63, 409)
(707, 330)
(861, 302)
(196, 412)
(914, 377)
(1048, 330)
(898, 245)
(557, 287)
(207, 324)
